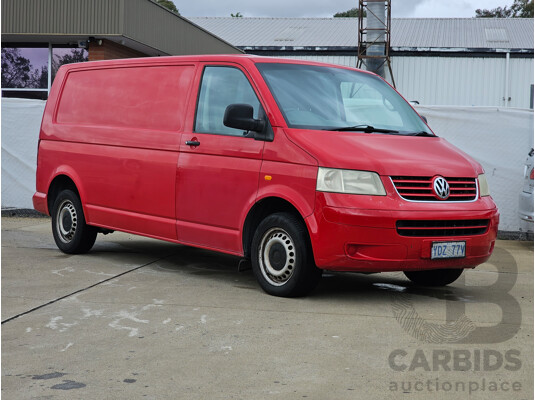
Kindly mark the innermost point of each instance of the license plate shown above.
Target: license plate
(448, 250)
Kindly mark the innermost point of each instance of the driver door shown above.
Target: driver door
(218, 171)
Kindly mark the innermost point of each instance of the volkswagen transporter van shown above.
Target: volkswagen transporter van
(296, 166)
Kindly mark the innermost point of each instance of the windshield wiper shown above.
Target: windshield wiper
(421, 133)
(361, 128)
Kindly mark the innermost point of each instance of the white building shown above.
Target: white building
(454, 61)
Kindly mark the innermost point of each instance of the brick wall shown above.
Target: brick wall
(109, 50)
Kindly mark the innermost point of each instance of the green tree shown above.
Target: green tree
(497, 12)
(169, 5)
(237, 15)
(353, 13)
(519, 9)
(523, 8)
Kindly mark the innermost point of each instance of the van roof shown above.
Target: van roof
(145, 61)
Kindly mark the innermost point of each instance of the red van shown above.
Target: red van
(296, 166)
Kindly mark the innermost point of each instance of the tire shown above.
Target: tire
(434, 277)
(71, 234)
(282, 258)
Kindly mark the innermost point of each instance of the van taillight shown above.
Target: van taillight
(531, 175)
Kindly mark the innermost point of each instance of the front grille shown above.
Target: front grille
(420, 188)
(442, 228)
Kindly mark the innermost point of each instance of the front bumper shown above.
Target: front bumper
(346, 238)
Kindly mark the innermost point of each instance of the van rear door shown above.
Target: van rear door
(219, 166)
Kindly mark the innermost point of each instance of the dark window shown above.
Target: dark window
(26, 72)
(24, 68)
(61, 56)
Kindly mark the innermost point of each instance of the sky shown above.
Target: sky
(307, 8)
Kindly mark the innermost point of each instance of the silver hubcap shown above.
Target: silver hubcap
(277, 256)
(66, 221)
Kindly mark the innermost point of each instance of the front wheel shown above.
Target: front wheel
(282, 258)
(434, 277)
(71, 234)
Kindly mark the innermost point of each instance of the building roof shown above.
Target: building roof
(142, 25)
(437, 34)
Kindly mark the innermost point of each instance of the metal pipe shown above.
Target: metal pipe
(376, 36)
(506, 98)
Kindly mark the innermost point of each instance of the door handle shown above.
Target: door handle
(193, 142)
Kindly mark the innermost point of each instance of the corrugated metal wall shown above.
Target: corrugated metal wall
(459, 81)
(521, 76)
(62, 16)
(464, 81)
(140, 20)
(178, 37)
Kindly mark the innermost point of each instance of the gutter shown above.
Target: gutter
(407, 49)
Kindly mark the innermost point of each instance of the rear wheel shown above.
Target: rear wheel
(434, 277)
(71, 234)
(282, 258)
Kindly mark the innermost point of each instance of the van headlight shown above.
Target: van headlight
(349, 181)
(483, 185)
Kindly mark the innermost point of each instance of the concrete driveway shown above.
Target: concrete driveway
(142, 319)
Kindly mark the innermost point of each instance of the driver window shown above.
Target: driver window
(220, 87)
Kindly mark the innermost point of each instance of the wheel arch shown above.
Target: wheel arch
(261, 210)
(60, 182)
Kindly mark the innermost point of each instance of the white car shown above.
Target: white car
(525, 200)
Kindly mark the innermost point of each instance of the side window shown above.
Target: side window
(220, 87)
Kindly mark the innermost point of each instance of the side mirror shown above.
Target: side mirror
(423, 118)
(240, 116)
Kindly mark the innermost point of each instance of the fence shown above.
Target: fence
(499, 138)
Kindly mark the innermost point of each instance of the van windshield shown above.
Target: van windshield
(337, 99)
